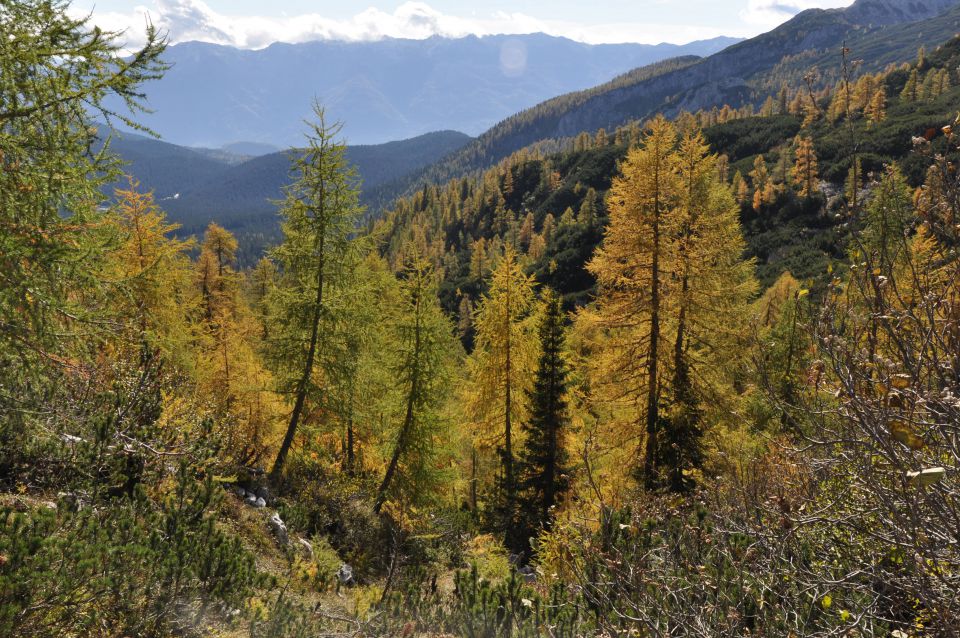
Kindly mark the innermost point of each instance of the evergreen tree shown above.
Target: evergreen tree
(543, 467)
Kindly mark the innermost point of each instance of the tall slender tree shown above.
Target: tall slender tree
(805, 168)
(427, 343)
(708, 304)
(320, 211)
(632, 281)
(543, 467)
(502, 364)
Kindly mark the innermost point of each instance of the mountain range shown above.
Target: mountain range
(195, 186)
(876, 32)
(199, 185)
(385, 90)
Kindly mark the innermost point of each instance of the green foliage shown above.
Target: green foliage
(317, 258)
(425, 349)
(128, 568)
(50, 230)
(543, 466)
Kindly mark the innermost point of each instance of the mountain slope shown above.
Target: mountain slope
(240, 197)
(553, 206)
(385, 90)
(197, 186)
(878, 31)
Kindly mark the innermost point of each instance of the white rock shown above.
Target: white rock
(307, 546)
(279, 528)
(927, 477)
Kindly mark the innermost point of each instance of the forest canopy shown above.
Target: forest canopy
(695, 376)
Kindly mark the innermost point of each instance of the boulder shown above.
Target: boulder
(306, 546)
(345, 574)
(278, 528)
(259, 502)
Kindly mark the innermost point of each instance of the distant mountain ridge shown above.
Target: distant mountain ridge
(878, 31)
(384, 90)
(197, 186)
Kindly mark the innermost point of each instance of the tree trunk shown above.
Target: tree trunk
(509, 487)
(307, 373)
(407, 420)
(653, 398)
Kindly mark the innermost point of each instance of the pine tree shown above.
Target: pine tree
(320, 211)
(805, 169)
(543, 467)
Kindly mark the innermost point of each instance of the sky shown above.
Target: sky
(256, 24)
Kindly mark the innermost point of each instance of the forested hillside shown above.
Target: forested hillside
(383, 90)
(553, 206)
(745, 74)
(197, 186)
(692, 376)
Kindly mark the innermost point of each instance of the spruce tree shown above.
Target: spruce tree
(543, 464)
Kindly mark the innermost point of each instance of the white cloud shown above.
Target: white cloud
(770, 13)
(186, 20)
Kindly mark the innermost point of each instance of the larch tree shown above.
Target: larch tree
(762, 188)
(360, 383)
(58, 76)
(320, 211)
(632, 281)
(910, 92)
(543, 467)
(426, 349)
(500, 370)
(714, 284)
(151, 271)
(854, 183)
(805, 168)
(876, 110)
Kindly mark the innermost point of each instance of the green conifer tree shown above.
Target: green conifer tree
(543, 466)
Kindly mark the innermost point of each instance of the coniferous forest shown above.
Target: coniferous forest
(695, 375)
